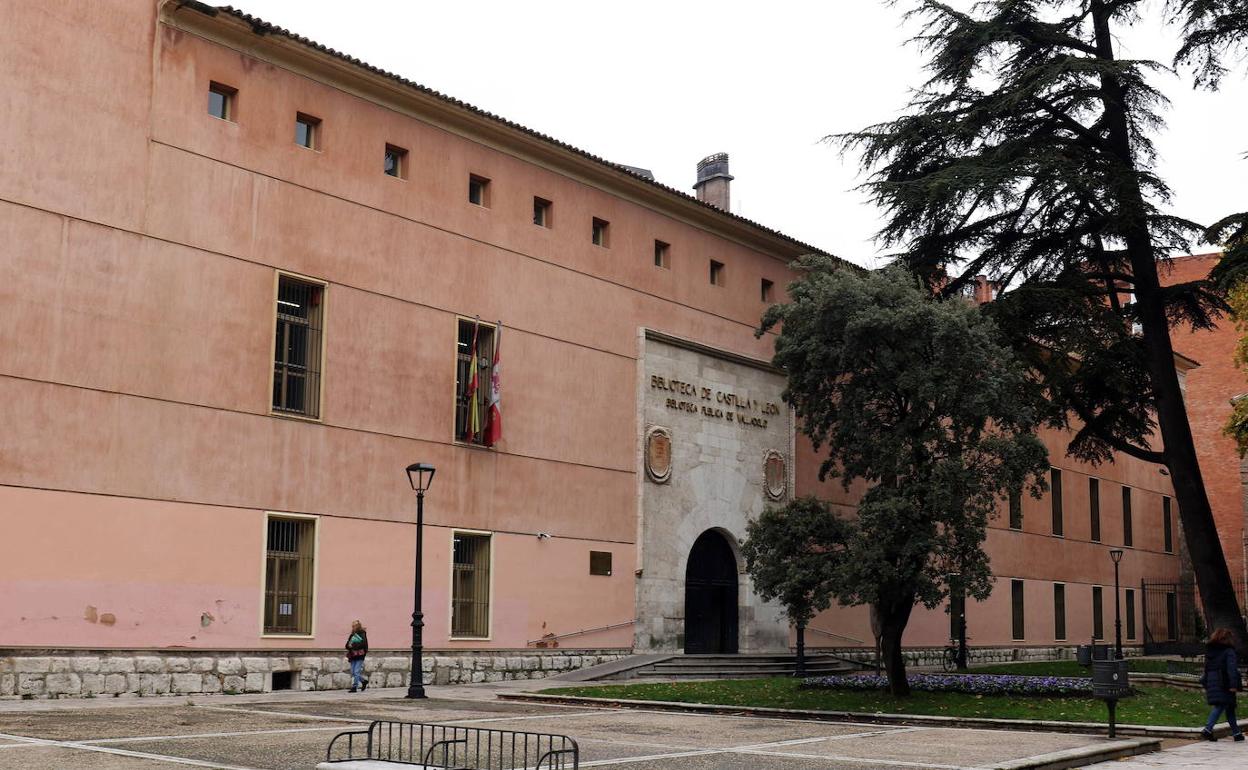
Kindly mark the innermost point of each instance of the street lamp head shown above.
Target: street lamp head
(1116, 555)
(420, 475)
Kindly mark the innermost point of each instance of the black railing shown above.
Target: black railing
(1174, 622)
(448, 746)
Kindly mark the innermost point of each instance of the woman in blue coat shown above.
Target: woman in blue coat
(1221, 681)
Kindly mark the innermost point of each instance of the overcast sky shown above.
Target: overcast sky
(660, 85)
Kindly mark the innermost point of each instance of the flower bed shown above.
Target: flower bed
(973, 684)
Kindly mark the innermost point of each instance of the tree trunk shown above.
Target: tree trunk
(893, 620)
(800, 668)
(1213, 577)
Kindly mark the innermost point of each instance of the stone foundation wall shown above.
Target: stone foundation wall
(975, 656)
(113, 673)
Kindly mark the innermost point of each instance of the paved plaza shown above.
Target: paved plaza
(291, 731)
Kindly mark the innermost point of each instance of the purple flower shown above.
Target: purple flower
(973, 684)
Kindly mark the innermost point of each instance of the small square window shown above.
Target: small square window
(395, 164)
(600, 232)
(717, 273)
(767, 291)
(600, 563)
(662, 255)
(541, 212)
(479, 191)
(307, 131)
(221, 101)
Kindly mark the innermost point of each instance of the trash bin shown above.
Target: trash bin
(1083, 654)
(1110, 680)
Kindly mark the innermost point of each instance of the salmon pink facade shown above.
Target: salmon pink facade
(236, 275)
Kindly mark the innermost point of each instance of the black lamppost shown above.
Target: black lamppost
(421, 476)
(1116, 555)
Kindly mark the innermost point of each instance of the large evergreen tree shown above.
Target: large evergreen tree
(921, 401)
(1027, 156)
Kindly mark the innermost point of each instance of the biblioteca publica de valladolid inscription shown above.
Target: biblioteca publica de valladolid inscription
(716, 404)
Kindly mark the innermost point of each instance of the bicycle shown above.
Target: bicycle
(949, 660)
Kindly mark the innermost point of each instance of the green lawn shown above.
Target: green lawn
(1153, 706)
(1071, 668)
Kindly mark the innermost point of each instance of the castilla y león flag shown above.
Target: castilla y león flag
(494, 428)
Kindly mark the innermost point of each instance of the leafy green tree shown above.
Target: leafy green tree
(791, 553)
(921, 401)
(1027, 156)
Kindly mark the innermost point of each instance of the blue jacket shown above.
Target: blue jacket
(1221, 675)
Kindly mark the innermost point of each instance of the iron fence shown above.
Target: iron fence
(448, 746)
(1174, 622)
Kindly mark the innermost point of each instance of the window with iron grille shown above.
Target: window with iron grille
(470, 586)
(468, 429)
(1167, 531)
(1098, 613)
(1016, 609)
(1172, 617)
(1016, 509)
(600, 562)
(1059, 612)
(1129, 601)
(1056, 493)
(297, 348)
(1094, 508)
(288, 575)
(1128, 536)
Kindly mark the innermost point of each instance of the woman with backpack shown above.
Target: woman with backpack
(357, 649)
(1221, 681)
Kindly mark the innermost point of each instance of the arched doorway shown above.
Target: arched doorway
(711, 596)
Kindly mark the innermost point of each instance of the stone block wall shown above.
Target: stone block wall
(116, 673)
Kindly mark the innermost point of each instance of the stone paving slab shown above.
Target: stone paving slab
(291, 733)
(52, 758)
(1220, 755)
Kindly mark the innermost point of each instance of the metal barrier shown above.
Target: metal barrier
(448, 746)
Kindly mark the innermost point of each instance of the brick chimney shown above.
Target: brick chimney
(714, 180)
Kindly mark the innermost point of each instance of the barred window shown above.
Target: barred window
(1056, 493)
(470, 399)
(1172, 617)
(1128, 536)
(1098, 613)
(297, 349)
(1059, 612)
(1016, 509)
(1016, 610)
(1094, 508)
(288, 574)
(470, 586)
(1129, 600)
(1167, 530)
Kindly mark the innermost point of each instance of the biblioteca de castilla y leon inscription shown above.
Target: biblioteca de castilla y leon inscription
(716, 404)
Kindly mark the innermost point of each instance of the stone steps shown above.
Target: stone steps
(735, 667)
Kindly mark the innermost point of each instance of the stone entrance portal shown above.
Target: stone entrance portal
(711, 596)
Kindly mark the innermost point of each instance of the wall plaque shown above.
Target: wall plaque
(775, 475)
(659, 454)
